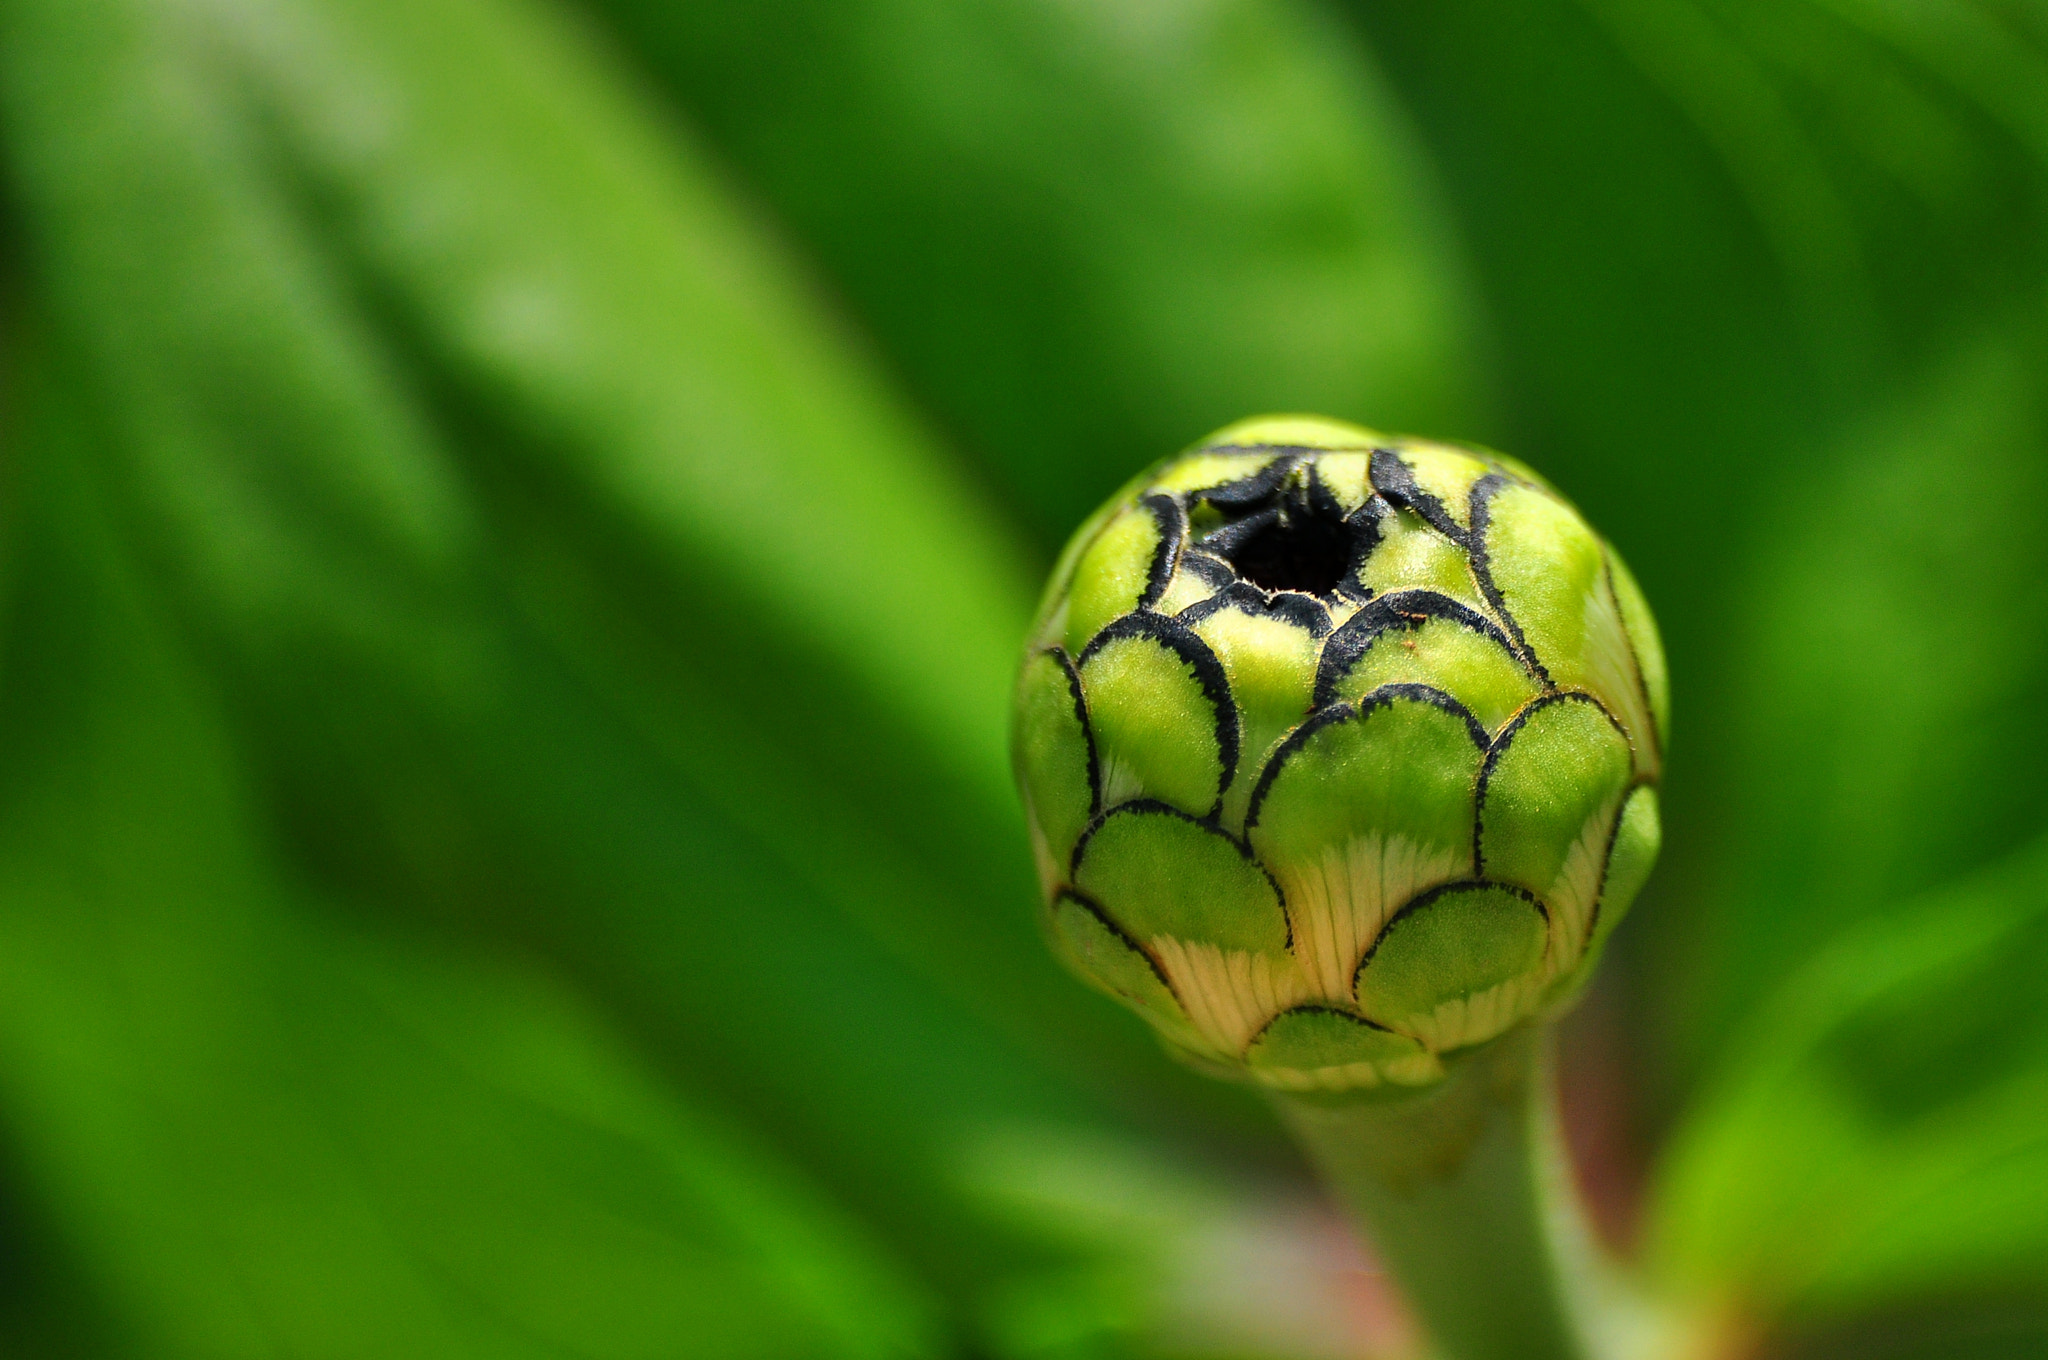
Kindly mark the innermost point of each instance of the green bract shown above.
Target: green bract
(1340, 751)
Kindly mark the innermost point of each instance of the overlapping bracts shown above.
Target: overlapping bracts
(1340, 752)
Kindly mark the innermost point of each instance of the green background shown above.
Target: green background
(516, 519)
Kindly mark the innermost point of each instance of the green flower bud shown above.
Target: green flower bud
(1339, 751)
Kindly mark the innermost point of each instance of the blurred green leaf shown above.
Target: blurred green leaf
(268, 1131)
(645, 364)
(1894, 703)
(1879, 1133)
(1872, 1137)
(1088, 233)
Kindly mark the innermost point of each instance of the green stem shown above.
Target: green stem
(1465, 1192)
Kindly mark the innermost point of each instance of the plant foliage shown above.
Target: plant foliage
(517, 523)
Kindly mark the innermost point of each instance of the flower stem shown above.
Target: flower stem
(1465, 1192)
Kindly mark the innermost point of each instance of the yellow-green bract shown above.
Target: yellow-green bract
(1340, 751)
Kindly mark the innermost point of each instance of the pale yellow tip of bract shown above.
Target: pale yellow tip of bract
(1295, 432)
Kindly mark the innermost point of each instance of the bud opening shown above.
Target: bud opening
(1300, 544)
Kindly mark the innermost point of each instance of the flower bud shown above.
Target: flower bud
(1339, 751)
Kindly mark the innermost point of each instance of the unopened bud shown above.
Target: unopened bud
(1340, 751)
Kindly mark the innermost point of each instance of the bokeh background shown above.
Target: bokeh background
(516, 518)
